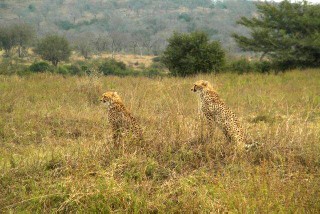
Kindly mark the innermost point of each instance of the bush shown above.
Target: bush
(10, 67)
(193, 53)
(152, 72)
(32, 8)
(156, 59)
(77, 69)
(241, 66)
(184, 16)
(74, 69)
(283, 65)
(39, 67)
(113, 67)
(158, 65)
(65, 25)
(62, 70)
(263, 66)
(141, 66)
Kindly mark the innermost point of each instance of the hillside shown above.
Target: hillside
(131, 26)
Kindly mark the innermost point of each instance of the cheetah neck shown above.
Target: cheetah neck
(116, 105)
(211, 96)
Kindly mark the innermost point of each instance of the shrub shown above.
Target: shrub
(263, 66)
(39, 67)
(23, 72)
(158, 65)
(32, 8)
(156, 59)
(9, 67)
(142, 66)
(193, 53)
(76, 69)
(65, 25)
(152, 72)
(82, 67)
(62, 70)
(241, 66)
(184, 16)
(113, 67)
(287, 65)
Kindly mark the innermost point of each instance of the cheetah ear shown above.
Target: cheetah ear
(205, 83)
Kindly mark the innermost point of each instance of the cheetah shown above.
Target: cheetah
(121, 120)
(216, 111)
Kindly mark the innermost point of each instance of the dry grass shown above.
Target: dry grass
(135, 61)
(56, 154)
(1, 54)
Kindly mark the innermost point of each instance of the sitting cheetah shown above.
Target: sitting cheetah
(122, 122)
(216, 111)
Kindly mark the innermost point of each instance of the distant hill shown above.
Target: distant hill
(132, 26)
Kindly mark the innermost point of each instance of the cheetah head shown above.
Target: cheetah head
(200, 85)
(110, 97)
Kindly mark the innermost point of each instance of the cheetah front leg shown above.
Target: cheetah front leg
(212, 124)
(227, 135)
(234, 138)
(139, 133)
(212, 128)
(207, 128)
(116, 135)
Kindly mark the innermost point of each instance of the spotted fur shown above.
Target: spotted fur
(216, 111)
(121, 120)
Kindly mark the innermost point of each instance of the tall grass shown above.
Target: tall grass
(56, 153)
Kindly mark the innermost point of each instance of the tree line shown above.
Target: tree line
(286, 35)
(135, 26)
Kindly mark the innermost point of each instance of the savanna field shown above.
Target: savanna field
(57, 155)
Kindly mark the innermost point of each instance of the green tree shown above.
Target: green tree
(193, 53)
(15, 35)
(22, 36)
(6, 40)
(288, 33)
(54, 48)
